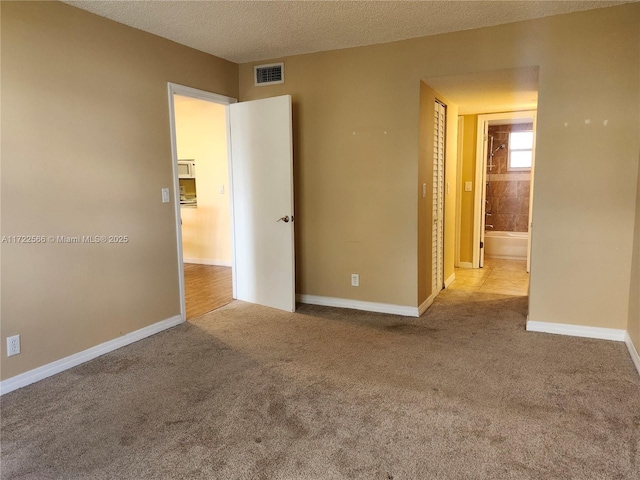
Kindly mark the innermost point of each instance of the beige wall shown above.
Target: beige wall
(468, 173)
(633, 326)
(86, 151)
(357, 194)
(585, 175)
(355, 167)
(201, 135)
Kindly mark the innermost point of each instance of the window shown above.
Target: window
(520, 150)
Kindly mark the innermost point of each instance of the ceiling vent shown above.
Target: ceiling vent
(270, 74)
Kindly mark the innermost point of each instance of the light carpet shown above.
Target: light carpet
(248, 392)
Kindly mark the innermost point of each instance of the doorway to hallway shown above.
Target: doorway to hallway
(498, 276)
(207, 288)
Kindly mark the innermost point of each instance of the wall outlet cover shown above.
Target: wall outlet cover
(13, 345)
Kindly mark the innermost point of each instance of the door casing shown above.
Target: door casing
(176, 89)
(481, 179)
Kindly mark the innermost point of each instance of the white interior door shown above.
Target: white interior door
(262, 185)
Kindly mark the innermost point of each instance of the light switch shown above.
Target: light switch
(424, 190)
(165, 195)
(221, 189)
(467, 186)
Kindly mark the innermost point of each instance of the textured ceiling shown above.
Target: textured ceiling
(246, 31)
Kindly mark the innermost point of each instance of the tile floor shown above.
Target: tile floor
(506, 277)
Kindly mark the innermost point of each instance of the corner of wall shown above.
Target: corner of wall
(633, 323)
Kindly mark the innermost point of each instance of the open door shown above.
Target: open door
(261, 150)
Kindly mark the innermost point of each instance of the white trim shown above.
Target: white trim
(207, 261)
(632, 351)
(478, 193)
(427, 303)
(459, 189)
(176, 195)
(234, 280)
(76, 359)
(176, 89)
(465, 265)
(531, 184)
(506, 257)
(449, 280)
(200, 94)
(577, 330)
(359, 305)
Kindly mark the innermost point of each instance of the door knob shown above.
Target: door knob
(285, 219)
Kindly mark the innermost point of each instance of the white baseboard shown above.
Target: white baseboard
(465, 265)
(506, 257)
(632, 351)
(426, 304)
(71, 361)
(207, 261)
(577, 330)
(359, 305)
(450, 280)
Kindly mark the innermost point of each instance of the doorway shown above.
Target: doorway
(260, 190)
(203, 196)
(505, 164)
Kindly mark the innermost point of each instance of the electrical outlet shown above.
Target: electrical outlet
(355, 279)
(13, 345)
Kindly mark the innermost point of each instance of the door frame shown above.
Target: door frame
(459, 189)
(177, 89)
(442, 193)
(481, 178)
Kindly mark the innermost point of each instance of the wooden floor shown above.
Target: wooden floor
(207, 287)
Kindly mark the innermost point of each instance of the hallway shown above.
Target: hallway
(506, 277)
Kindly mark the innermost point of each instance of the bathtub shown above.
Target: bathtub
(511, 245)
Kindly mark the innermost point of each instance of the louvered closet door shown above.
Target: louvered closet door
(438, 197)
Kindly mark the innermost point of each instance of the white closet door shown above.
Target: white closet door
(438, 198)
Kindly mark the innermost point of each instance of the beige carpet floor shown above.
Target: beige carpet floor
(247, 392)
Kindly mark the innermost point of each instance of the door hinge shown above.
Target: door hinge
(481, 244)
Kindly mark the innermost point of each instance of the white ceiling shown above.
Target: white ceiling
(246, 31)
(495, 91)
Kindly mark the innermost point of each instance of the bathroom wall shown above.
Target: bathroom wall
(508, 193)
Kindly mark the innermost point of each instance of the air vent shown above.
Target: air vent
(269, 74)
